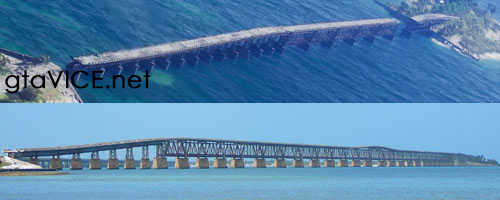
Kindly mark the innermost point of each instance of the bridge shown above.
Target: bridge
(241, 44)
(220, 150)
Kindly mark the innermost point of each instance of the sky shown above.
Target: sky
(460, 128)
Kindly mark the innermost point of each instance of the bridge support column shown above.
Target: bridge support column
(202, 163)
(343, 163)
(414, 163)
(34, 160)
(145, 162)
(220, 163)
(314, 163)
(355, 163)
(391, 163)
(160, 163)
(279, 163)
(400, 163)
(129, 162)
(329, 163)
(259, 163)
(237, 163)
(95, 162)
(113, 160)
(182, 163)
(381, 163)
(367, 163)
(76, 162)
(407, 163)
(421, 163)
(55, 163)
(298, 163)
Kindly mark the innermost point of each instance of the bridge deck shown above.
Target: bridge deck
(432, 16)
(189, 45)
(159, 141)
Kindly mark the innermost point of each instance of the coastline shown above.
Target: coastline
(20, 63)
(490, 56)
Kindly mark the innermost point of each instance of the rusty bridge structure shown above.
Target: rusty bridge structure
(220, 150)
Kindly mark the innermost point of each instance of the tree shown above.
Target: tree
(3, 60)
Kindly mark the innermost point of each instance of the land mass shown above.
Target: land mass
(13, 63)
(475, 30)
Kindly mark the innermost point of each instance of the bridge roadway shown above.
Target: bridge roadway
(241, 44)
(202, 149)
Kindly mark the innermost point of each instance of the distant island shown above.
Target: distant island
(476, 31)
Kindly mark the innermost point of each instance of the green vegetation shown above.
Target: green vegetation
(3, 62)
(472, 27)
(481, 159)
(28, 95)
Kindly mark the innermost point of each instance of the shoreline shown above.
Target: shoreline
(27, 173)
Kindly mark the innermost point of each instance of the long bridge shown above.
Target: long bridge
(241, 44)
(184, 148)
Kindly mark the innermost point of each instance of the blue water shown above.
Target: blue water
(250, 183)
(405, 70)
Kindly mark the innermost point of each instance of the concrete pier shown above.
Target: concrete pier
(129, 164)
(314, 163)
(76, 164)
(34, 160)
(298, 163)
(279, 163)
(381, 163)
(145, 164)
(343, 163)
(329, 163)
(400, 163)
(95, 164)
(391, 163)
(220, 163)
(182, 163)
(259, 163)
(414, 163)
(420, 163)
(55, 163)
(237, 163)
(113, 164)
(367, 163)
(202, 163)
(160, 163)
(355, 163)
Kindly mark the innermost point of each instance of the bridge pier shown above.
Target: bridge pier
(192, 59)
(259, 163)
(220, 163)
(113, 160)
(219, 55)
(244, 52)
(129, 162)
(55, 163)
(304, 47)
(202, 163)
(391, 163)
(350, 42)
(314, 163)
(343, 163)
(256, 51)
(355, 163)
(381, 163)
(329, 163)
(182, 163)
(231, 54)
(407, 163)
(145, 162)
(206, 57)
(160, 163)
(76, 162)
(151, 66)
(95, 162)
(237, 163)
(279, 163)
(367, 163)
(34, 160)
(269, 50)
(298, 163)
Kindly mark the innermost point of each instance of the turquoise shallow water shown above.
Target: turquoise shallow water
(270, 183)
(406, 70)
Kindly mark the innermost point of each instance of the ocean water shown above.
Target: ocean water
(249, 183)
(404, 70)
